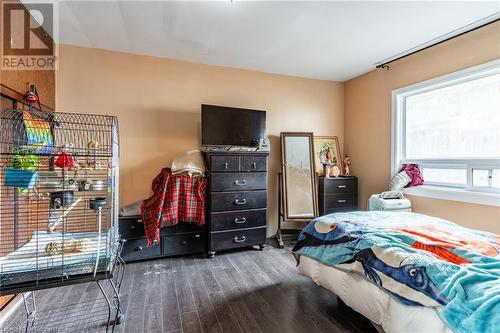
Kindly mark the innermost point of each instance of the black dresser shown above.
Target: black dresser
(338, 194)
(237, 200)
(183, 238)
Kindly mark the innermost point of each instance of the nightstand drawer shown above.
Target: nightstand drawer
(338, 185)
(237, 181)
(253, 163)
(237, 238)
(131, 227)
(183, 243)
(237, 200)
(224, 163)
(339, 202)
(137, 249)
(238, 220)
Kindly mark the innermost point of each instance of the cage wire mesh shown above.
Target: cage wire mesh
(58, 198)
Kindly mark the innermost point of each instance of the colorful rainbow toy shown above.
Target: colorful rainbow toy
(38, 134)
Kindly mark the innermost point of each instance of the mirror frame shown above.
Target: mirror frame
(284, 187)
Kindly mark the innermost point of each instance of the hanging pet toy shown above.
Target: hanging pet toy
(65, 161)
(93, 145)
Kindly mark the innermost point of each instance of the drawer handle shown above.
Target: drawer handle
(242, 202)
(341, 201)
(240, 239)
(184, 243)
(139, 221)
(131, 227)
(138, 248)
(237, 182)
(254, 165)
(341, 186)
(240, 221)
(197, 236)
(226, 165)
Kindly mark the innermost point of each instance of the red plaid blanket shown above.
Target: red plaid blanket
(175, 199)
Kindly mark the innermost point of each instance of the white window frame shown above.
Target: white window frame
(467, 193)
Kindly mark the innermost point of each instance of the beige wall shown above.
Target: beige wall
(157, 102)
(368, 120)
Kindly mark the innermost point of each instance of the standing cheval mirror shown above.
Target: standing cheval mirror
(299, 183)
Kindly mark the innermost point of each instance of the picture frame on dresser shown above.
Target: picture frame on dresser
(322, 145)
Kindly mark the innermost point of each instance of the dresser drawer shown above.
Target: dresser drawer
(339, 202)
(131, 227)
(183, 228)
(183, 243)
(253, 163)
(238, 220)
(136, 249)
(238, 181)
(338, 185)
(224, 163)
(237, 238)
(237, 200)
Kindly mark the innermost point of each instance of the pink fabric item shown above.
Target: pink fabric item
(414, 173)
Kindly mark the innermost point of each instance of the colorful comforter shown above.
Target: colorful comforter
(418, 259)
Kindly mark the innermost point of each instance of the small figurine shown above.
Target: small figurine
(347, 164)
(327, 167)
(334, 171)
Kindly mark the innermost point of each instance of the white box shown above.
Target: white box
(396, 205)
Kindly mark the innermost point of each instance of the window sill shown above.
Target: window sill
(454, 194)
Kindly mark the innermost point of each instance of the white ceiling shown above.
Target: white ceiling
(324, 40)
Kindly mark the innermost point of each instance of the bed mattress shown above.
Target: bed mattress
(31, 262)
(371, 301)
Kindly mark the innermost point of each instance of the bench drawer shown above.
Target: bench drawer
(182, 244)
(131, 227)
(137, 249)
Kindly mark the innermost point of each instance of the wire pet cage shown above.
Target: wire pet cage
(58, 200)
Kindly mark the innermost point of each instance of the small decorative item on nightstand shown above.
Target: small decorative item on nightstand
(338, 194)
(347, 165)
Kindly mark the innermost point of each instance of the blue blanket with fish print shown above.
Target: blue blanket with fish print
(419, 260)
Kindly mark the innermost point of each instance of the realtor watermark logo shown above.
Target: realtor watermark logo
(28, 33)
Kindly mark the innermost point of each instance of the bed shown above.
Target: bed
(406, 272)
(31, 262)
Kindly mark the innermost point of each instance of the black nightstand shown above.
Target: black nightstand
(338, 194)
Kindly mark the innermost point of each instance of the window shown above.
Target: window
(450, 126)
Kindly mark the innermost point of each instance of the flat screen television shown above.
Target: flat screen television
(227, 126)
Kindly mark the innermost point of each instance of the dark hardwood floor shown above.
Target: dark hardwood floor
(238, 291)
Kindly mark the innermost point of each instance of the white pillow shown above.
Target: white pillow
(399, 181)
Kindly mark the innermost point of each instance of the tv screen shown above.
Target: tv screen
(226, 126)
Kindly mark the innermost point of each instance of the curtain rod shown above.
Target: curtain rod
(441, 39)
